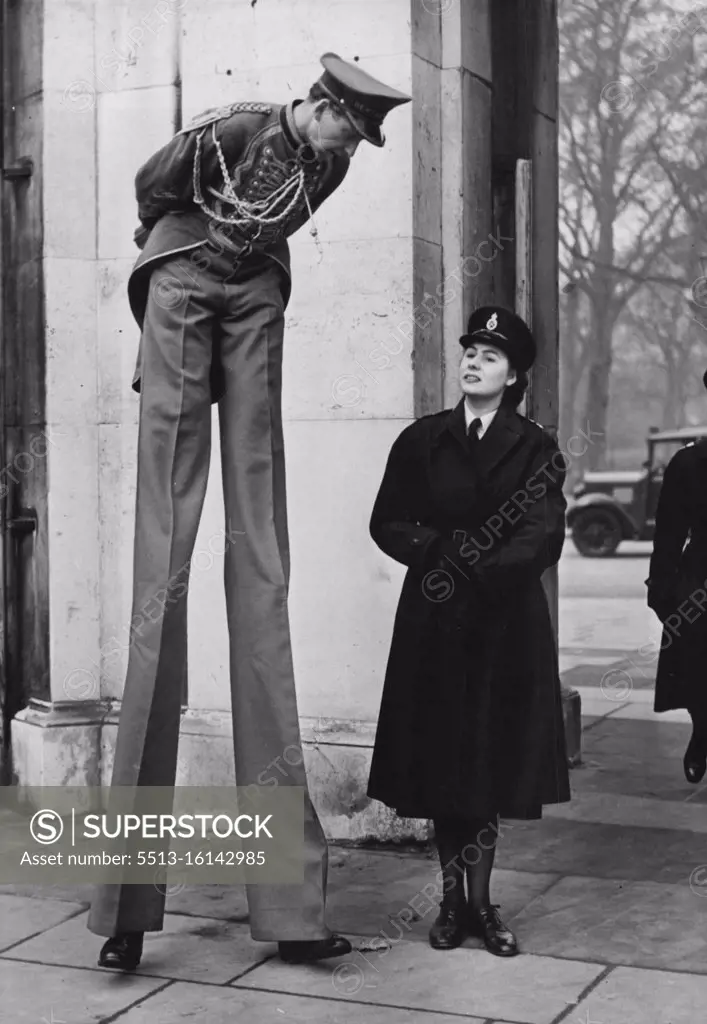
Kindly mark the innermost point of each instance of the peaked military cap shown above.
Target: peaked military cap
(361, 98)
(504, 329)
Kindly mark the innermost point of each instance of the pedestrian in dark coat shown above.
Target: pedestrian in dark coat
(471, 724)
(677, 593)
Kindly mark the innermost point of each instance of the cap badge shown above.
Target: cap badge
(492, 322)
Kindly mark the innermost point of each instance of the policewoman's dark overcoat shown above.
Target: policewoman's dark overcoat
(471, 716)
(677, 582)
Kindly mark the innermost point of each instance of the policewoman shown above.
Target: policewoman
(216, 206)
(677, 593)
(471, 726)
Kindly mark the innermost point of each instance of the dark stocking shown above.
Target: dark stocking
(449, 838)
(479, 851)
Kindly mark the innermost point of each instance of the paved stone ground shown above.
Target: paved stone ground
(608, 894)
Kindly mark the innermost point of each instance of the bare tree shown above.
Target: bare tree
(669, 341)
(625, 96)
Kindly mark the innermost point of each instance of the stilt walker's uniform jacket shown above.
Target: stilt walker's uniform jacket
(185, 179)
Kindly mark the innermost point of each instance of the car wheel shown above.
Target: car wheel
(596, 533)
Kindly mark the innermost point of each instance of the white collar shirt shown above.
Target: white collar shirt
(486, 419)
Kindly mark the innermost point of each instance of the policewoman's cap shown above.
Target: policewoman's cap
(504, 329)
(359, 96)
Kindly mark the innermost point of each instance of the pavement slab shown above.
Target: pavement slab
(607, 622)
(189, 949)
(633, 996)
(384, 895)
(659, 779)
(182, 1002)
(643, 924)
(631, 811)
(223, 902)
(640, 740)
(22, 917)
(635, 853)
(467, 982)
(55, 995)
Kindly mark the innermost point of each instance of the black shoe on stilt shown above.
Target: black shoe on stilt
(123, 952)
(486, 924)
(449, 929)
(307, 952)
(695, 760)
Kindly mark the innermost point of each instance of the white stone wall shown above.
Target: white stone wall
(111, 68)
(339, 421)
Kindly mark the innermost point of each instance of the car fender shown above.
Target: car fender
(628, 526)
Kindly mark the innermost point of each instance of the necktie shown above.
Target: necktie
(473, 433)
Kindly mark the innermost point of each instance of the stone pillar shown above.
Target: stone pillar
(467, 198)
(103, 111)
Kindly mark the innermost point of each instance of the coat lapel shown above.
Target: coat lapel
(501, 437)
(456, 425)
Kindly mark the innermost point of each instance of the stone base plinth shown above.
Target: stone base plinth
(58, 745)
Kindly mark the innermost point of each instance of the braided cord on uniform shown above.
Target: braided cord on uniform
(246, 214)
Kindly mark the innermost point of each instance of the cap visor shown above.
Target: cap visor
(497, 340)
(370, 132)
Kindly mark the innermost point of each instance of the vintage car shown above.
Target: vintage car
(614, 505)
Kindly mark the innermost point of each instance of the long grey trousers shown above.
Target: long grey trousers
(191, 317)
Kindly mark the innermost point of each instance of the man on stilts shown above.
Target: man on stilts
(209, 291)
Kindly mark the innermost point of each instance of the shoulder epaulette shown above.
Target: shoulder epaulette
(219, 113)
(545, 430)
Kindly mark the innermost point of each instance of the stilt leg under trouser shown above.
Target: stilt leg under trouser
(188, 314)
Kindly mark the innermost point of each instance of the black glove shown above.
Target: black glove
(661, 603)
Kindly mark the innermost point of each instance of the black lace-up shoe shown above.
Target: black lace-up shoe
(319, 949)
(449, 929)
(122, 952)
(486, 924)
